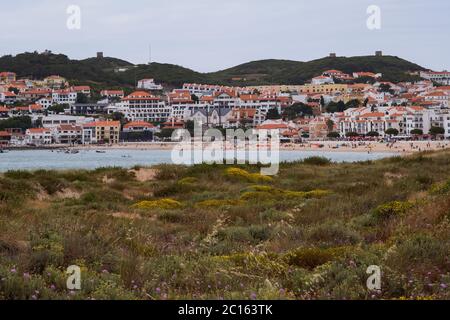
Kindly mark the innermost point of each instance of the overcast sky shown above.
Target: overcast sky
(209, 35)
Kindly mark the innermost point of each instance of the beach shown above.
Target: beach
(401, 147)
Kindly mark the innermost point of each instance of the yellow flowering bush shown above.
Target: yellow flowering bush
(392, 209)
(440, 188)
(165, 204)
(242, 175)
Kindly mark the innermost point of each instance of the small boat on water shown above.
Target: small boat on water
(3, 151)
(72, 151)
(100, 151)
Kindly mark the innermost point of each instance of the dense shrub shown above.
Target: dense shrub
(311, 258)
(242, 175)
(335, 233)
(392, 209)
(215, 203)
(165, 203)
(317, 161)
(441, 188)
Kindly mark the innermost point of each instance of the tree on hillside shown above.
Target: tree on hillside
(373, 134)
(58, 108)
(297, 110)
(190, 126)
(330, 125)
(385, 87)
(322, 102)
(16, 122)
(333, 107)
(352, 134)
(354, 103)
(119, 116)
(13, 89)
(392, 132)
(435, 131)
(273, 114)
(333, 135)
(82, 98)
(366, 101)
(341, 106)
(195, 98)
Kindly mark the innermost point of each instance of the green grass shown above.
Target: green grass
(202, 233)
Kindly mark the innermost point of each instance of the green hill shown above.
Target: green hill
(103, 72)
(292, 72)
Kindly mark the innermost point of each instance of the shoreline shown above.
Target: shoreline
(401, 147)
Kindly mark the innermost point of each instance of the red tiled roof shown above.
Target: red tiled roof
(270, 126)
(373, 115)
(138, 124)
(140, 95)
(38, 130)
(103, 124)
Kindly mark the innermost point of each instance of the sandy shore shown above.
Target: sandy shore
(403, 147)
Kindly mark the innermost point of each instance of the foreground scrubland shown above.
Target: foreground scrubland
(212, 232)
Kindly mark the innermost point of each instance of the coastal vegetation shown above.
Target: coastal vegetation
(101, 73)
(214, 231)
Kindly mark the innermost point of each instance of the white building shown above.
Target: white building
(322, 80)
(439, 77)
(53, 121)
(45, 102)
(112, 94)
(142, 106)
(148, 84)
(67, 134)
(418, 118)
(38, 136)
(438, 96)
(8, 97)
(64, 97)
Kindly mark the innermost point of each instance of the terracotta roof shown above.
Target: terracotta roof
(206, 98)
(38, 130)
(436, 94)
(417, 108)
(270, 126)
(140, 95)
(373, 115)
(103, 124)
(69, 127)
(81, 88)
(332, 71)
(138, 124)
(249, 97)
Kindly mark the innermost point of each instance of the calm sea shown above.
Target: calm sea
(89, 159)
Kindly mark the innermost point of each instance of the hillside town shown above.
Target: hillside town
(333, 105)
